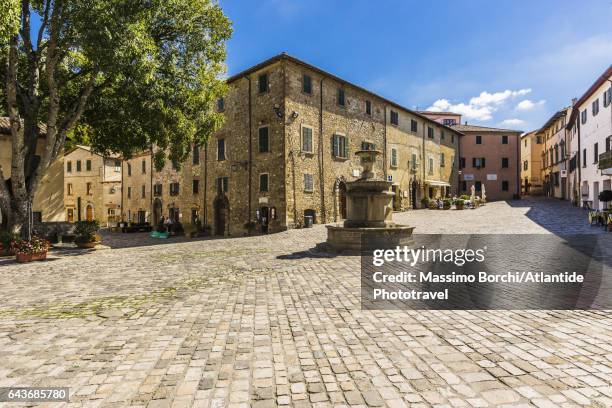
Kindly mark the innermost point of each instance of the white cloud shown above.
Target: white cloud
(479, 107)
(526, 104)
(512, 122)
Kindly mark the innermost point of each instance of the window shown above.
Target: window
(263, 183)
(195, 186)
(78, 165)
(505, 163)
(413, 125)
(307, 84)
(525, 165)
(583, 116)
(220, 105)
(339, 146)
(462, 162)
(174, 189)
(129, 169)
(220, 149)
(368, 106)
(393, 157)
(308, 183)
(607, 97)
(88, 165)
(431, 165)
(430, 132)
(478, 139)
(595, 152)
(36, 217)
(413, 161)
(449, 122)
(584, 157)
(196, 155)
(307, 139)
(539, 140)
(368, 146)
(441, 135)
(442, 160)
(143, 191)
(129, 192)
(143, 167)
(222, 184)
(340, 99)
(452, 138)
(157, 190)
(394, 118)
(505, 185)
(69, 188)
(504, 139)
(117, 166)
(478, 162)
(595, 107)
(89, 189)
(264, 145)
(69, 167)
(263, 83)
(478, 185)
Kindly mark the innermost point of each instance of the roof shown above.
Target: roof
(287, 57)
(533, 132)
(474, 128)
(598, 82)
(424, 112)
(5, 126)
(92, 151)
(553, 118)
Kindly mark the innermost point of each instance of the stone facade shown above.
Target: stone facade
(137, 189)
(288, 148)
(554, 155)
(531, 163)
(92, 188)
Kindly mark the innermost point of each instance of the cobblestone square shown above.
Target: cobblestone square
(265, 321)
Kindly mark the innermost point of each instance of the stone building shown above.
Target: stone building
(92, 188)
(446, 118)
(531, 163)
(490, 157)
(287, 150)
(554, 155)
(137, 188)
(48, 203)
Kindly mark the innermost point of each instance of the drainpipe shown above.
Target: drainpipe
(321, 157)
(385, 146)
(459, 169)
(425, 193)
(204, 206)
(579, 160)
(122, 184)
(250, 153)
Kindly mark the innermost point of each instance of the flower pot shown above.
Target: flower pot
(88, 245)
(23, 258)
(39, 256)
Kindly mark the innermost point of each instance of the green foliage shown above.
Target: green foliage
(86, 230)
(605, 196)
(6, 237)
(9, 20)
(464, 197)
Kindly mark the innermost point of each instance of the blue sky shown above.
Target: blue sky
(500, 63)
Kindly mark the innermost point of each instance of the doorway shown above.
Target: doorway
(70, 215)
(142, 217)
(264, 217)
(221, 209)
(89, 214)
(596, 195)
(342, 199)
(157, 211)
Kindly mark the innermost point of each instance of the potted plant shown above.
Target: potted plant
(6, 238)
(86, 234)
(433, 205)
(446, 204)
(425, 202)
(459, 203)
(32, 250)
(605, 196)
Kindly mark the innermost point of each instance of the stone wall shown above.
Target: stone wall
(134, 178)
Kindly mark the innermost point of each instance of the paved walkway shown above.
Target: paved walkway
(261, 322)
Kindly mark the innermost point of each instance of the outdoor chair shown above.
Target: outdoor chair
(593, 217)
(608, 222)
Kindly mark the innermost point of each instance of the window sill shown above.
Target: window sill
(308, 192)
(338, 158)
(306, 153)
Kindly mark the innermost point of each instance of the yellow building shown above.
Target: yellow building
(531, 163)
(48, 203)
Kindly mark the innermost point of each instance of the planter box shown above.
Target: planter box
(88, 245)
(23, 258)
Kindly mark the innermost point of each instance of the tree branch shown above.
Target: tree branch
(43, 24)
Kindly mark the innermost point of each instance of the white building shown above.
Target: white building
(591, 119)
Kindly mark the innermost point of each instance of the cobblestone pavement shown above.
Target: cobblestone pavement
(263, 322)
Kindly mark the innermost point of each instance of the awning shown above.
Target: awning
(437, 183)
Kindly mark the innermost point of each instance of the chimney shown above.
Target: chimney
(574, 100)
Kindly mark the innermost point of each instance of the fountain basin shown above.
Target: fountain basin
(358, 239)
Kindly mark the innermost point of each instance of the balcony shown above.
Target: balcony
(605, 163)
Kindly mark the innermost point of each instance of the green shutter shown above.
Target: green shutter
(335, 150)
(345, 150)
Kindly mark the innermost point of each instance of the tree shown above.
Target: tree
(123, 74)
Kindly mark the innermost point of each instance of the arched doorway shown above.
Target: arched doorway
(157, 211)
(221, 208)
(89, 213)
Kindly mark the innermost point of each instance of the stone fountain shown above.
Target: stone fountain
(369, 208)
